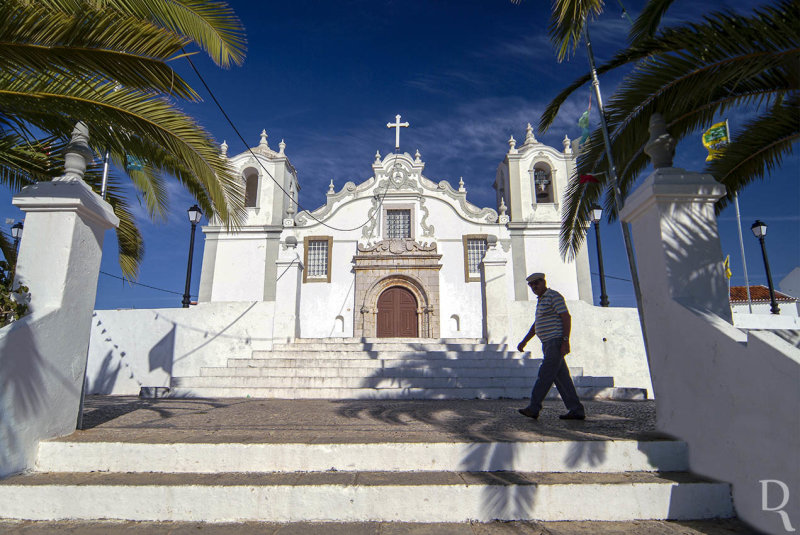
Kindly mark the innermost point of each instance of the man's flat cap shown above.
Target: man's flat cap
(534, 276)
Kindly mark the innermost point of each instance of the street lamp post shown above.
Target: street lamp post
(597, 214)
(194, 218)
(759, 229)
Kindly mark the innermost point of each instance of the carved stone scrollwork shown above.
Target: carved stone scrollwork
(427, 230)
(368, 229)
(397, 247)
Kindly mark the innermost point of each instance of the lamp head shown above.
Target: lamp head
(16, 230)
(759, 228)
(195, 214)
(597, 213)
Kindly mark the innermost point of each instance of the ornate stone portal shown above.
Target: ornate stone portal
(390, 263)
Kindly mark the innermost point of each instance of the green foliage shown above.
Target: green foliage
(107, 63)
(692, 73)
(13, 301)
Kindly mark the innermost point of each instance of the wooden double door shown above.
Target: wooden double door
(397, 314)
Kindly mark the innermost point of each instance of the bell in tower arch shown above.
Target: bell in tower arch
(542, 183)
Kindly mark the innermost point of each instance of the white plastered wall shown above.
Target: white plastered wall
(130, 349)
(604, 342)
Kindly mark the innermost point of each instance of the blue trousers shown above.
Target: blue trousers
(554, 370)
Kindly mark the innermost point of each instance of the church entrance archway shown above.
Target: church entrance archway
(397, 314)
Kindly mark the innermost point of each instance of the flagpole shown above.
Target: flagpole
(618, 200)
(739, 230)
(741, 245)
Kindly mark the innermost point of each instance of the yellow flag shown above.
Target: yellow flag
(715, 139)
(727, 265)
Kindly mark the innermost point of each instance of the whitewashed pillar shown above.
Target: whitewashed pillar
(287, 301)
(495, 296)
(43, 355)
(65, 222)
(675, 233)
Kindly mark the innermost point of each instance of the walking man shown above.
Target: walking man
(552, 324)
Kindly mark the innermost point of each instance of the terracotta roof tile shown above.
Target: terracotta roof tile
(759, 294)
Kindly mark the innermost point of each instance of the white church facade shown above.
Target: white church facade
(396, 255)
(399, 258)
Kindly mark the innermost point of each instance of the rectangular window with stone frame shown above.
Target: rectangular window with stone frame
(317, 258)
(398, 223)
(474, 250)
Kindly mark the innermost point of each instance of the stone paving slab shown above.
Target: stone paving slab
(706, 527)
(279, 421)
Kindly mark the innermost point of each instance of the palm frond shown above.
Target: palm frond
(213, 26)
(567, 21)
(690, 84)
(7, 248)
(94, 45)
(23, 162)
(130, 245)
(648, 21)
(110, 112)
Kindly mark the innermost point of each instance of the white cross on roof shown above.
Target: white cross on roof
(396, 125)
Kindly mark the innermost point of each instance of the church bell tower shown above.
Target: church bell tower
(530, 185)
(271, 189)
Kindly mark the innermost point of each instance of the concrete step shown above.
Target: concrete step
(363, 496)
(364, 361)
(478, 376)
(586, 393)
(373, 340)
(598, 456)
(387, 353)
(394, 346)
(376, 382)
(366, 367)
(395, 372)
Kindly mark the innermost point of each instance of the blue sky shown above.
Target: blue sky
(327, 76)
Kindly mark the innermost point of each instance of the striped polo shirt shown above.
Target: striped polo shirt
(548, 322)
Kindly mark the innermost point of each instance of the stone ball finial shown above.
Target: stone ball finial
(512, 144)
(282, 147)
(377, 156)
(503, 207)
(223, 149)
(77, 154)
(661, 146)
(567, 145)
(417, 157)
(330, 187)
(264, 138)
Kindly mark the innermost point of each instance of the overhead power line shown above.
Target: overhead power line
(286, 193)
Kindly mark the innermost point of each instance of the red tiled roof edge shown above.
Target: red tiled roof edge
(759, 294)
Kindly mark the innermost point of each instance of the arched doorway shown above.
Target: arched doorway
(397, 314)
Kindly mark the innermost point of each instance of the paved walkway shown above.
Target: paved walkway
(130, 419)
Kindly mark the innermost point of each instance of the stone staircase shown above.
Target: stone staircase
(557, 480)
(385, 368)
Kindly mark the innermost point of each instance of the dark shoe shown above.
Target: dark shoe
(573, 416)
(528, 412)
